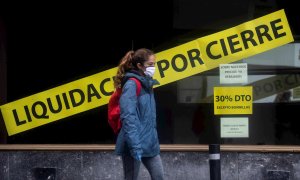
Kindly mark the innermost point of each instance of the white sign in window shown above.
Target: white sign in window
(233, 73)
(234, 127)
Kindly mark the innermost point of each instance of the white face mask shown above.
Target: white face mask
(150, 71)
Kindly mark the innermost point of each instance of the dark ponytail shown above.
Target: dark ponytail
(124, 66)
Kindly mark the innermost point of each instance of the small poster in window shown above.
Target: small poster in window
(235, 127)
(233, 73)
(296, 93)
(233, 100)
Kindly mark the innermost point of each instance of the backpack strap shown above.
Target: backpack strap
(138, 84)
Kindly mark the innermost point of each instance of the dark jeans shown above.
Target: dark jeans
(154, 166)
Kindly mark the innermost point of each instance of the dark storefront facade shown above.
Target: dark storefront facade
(52, 45)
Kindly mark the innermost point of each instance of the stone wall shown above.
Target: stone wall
(102, 165)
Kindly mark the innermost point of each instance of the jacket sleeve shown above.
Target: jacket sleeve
(129, 118)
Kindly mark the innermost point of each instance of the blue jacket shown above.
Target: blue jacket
(138, 135)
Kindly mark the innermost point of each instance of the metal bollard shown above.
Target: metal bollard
(214, 162)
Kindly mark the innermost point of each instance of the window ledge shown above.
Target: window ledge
(164, 147)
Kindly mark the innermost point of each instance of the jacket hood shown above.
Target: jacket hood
(146, 81)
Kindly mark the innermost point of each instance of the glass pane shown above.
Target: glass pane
(73, 43)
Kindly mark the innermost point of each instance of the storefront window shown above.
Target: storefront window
(63, 48)
(189, 103)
